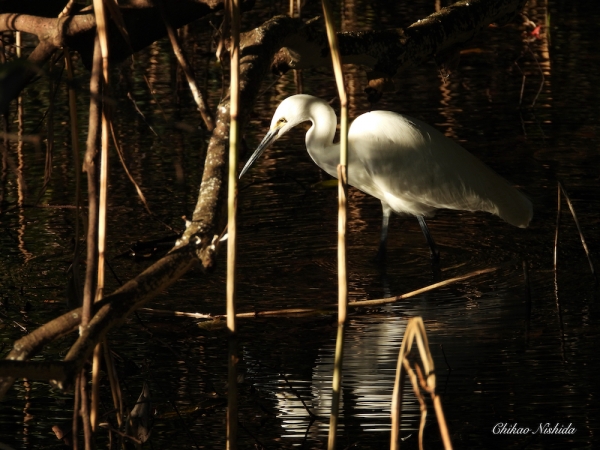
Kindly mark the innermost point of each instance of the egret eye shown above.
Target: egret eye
(281, 121)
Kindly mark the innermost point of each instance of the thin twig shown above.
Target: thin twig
(585, 247)
(445, 359)
(130, 176)
(295, 392)
(543, 77)
(557, 225)
(139, 111)
(324, 308)
(115, 387)
(187, 70)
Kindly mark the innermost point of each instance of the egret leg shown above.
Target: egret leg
(385, 222)
(435, 253)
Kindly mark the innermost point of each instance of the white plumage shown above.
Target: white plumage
(408, 165)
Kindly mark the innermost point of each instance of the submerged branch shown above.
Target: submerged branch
(107, 313)
(115, 309)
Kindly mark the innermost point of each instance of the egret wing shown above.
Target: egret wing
(417, 169)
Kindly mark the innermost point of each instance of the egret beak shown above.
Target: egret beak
(271, 137)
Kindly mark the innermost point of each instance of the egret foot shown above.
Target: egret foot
(435, 256)
(380, 256)
(435, 253)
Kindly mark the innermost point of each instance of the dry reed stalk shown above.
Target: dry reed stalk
(84, 412)
(102, 207)
(68, 9)
(101, 16)
(101, 31)
(89, 166)
(342, 219)
(76, 403)
(414, 380)
(298, 5)
(101, 21)
(415, 331)
(234, 144)
(92, 243)
(96, 359)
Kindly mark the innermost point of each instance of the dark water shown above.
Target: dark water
(529, 110)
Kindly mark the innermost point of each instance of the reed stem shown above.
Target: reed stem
(234, 138)
(342, 219)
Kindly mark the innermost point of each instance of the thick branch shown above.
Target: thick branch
(257, 49)
(143, 22)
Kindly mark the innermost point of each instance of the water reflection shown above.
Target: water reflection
(372, 345)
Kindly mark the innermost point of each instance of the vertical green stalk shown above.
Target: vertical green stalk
(234, 129)
(342, 218)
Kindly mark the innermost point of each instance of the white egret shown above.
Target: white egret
(408, 165)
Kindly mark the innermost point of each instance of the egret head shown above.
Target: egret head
(290, 112)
